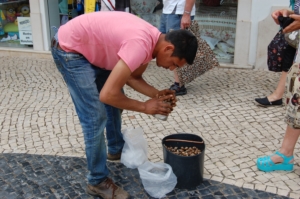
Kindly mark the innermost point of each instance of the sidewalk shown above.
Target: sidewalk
(37, 117)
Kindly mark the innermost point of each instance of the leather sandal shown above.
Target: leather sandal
(266, 164)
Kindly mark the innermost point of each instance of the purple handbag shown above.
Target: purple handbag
(276, 50)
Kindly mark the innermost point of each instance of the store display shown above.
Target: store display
(89, 6)
(2, 17)
(11, 12)
(80, 7)
(98, 5)
(23, 10)
(218, 24)
(63, 7)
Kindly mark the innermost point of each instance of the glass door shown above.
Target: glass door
(217, 20)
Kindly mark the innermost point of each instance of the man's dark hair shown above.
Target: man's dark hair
(185, 44)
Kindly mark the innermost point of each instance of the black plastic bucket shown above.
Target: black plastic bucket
(188, 169)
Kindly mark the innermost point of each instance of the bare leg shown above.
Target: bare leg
(288, 144)
(176, 77)
(178, 86)
(278, 93)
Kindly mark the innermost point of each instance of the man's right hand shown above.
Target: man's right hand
(158, 106)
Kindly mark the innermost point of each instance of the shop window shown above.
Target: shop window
(217, 20)
(149, 10)
(15, 25)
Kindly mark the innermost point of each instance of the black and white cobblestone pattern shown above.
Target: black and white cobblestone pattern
(41, 176)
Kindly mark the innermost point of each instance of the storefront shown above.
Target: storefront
(238, 31)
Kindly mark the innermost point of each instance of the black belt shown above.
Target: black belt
(55, 44)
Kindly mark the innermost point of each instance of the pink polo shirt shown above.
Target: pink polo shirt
(105, 37)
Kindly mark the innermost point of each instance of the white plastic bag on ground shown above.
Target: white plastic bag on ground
(135, 151)
(158, 178)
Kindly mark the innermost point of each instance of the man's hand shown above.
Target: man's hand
(293, 26)
(185, 21)
(158, 106)
(172, 97)
(283, 12)
(186, 15)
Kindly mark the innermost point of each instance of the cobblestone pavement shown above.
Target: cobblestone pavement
(36, 176)
(37, 117)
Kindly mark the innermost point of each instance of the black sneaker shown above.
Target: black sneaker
(178, 90)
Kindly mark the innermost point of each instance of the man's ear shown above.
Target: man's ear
(169, 47)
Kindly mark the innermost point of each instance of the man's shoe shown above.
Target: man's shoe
(266, 102)
(114, 157)
(107, 190)
(178, 90)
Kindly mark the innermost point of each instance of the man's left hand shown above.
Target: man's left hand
(170, 93)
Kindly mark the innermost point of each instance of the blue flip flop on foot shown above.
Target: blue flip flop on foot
(266, 164)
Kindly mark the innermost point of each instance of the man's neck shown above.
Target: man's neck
(159, 45)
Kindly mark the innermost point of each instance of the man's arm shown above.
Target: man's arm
(137, 82)
(186, 16)
(111, 92)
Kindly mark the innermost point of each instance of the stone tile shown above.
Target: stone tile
(46, 176)
(37, 116)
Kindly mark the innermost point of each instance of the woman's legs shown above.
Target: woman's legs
(176, 78)
(288, 143)
(177, 86)
(278, 93)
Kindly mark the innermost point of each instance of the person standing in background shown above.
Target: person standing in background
(283, 158)
(288, 52)
(177, 14)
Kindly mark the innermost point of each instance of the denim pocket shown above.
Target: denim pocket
(73, 56)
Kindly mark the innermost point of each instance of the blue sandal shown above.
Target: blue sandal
(266, 164)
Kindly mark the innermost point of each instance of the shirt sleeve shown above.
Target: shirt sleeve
(133, 53)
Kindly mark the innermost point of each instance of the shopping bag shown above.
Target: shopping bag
(205, 59)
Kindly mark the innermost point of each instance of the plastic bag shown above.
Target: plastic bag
(135, 151)
(158, 178)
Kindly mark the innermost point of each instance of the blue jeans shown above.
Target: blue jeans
(84, 82)
(170, 21)
(114, 136)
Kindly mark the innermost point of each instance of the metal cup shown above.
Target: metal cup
(162, 117)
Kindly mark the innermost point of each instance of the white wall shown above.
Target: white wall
(45, 24)
(260, 10)
(36, 21)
